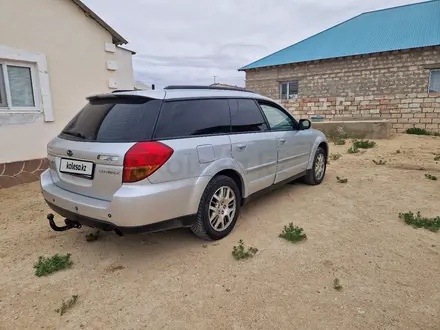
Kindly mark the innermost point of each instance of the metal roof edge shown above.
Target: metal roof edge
(347, 56)
(117, 38)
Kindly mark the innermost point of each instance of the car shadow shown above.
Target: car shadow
(169, 241)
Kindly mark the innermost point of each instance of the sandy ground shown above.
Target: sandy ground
(173, 280)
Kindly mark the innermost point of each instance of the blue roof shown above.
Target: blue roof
(404, 27)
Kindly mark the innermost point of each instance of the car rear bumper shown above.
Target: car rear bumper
(180, 222)
(131, 206)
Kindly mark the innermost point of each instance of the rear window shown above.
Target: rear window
(123, 119)
(186, 118)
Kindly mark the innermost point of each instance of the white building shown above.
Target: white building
(53, 54)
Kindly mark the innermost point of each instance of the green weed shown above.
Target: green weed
(353, 150)
(379, 162)
(340, 180)
(417, 131)
(339, 141)
(431, 177)
(293, 233)
(335, 156)
(46, 266)
(337, 138)
(364, 144)
(239, 251)
(417, 221)
(421, 131)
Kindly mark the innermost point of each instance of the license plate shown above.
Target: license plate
(76, 167)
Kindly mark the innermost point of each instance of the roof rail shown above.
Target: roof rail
(174, 87)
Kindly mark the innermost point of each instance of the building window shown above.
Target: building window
(289, 90)
(434, 81)
(17, 87)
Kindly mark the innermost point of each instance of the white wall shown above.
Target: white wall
(124, 74)
(74, 46)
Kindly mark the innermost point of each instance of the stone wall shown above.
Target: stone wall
(363, 129)
(390, 73)
(420, 110)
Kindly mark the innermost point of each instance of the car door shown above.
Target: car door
(293, 145)
(253, 145)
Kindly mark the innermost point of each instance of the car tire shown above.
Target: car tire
(314, 176)
(205, 224)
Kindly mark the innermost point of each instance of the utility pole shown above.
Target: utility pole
(214, 79)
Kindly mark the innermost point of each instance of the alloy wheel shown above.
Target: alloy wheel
(222, 208)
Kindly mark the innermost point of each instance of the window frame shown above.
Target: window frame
(287, 83)
(277, 106)
(430, 77)
(4, 101)
(43, 82)
(35, 87)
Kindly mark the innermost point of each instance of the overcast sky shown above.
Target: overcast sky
(190, 41)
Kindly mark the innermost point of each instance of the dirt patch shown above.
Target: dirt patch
(172, 280)
(114, 268)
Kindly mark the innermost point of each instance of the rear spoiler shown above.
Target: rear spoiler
(117, 97)
(123, 90)
(108, 95)
(129, 93)
(100, 96)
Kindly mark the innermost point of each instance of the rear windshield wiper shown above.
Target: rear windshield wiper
(76, 134)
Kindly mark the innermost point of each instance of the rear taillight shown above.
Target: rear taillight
(143, 159)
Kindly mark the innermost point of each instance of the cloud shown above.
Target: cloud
(190, 41)
(227, 57)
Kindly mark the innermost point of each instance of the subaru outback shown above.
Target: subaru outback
(185, 156)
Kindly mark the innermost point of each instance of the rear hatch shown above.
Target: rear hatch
(87, 157)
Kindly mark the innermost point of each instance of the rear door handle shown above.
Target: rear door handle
(241, 147)
(282, 141)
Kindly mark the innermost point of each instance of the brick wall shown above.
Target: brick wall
(390, 85)
(402, 110)
(399, 72)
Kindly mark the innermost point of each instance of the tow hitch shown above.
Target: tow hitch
(69, 224)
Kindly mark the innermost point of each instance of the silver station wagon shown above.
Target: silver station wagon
(185, 156)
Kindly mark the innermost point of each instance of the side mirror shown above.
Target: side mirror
(304, 124)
